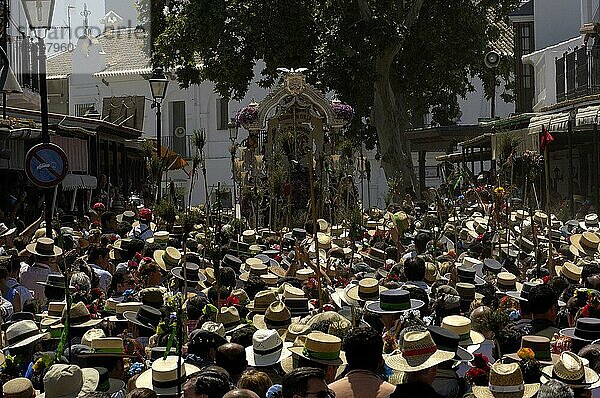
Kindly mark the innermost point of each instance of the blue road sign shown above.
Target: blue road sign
(46, 165)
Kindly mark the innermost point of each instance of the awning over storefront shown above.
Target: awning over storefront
(79, 181)
(521, 137)
(587, 115)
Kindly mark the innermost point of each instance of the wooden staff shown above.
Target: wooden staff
(313, 204)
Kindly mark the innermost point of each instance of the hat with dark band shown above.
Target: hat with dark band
(394, 301)
(368, 289)
(146, 317)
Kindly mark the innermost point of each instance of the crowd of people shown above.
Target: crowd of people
(439, 299)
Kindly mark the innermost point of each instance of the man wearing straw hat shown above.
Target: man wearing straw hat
(418, 360)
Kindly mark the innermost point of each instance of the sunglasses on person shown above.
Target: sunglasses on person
(321, 394)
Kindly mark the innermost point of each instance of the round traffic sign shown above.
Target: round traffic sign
(46, 165)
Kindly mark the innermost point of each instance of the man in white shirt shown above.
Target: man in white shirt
(45, 254)
(142, 230)
(98, 261)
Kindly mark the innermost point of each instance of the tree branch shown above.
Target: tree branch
(365, 10)
(413, 14)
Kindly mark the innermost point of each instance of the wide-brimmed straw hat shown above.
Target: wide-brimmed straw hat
(80, 317)
(23, 333)
(419, 352)
(167, 259)
(590, 222)
(277, 317)
(69, 381)
(585, 244)
(506, 381)
(541, 348)
(267, 348)
(368, 289)
(162, 377)
(44, 247)
(256, 269)
(462, 326)
(131, 306)
(159, 237)
(321, 348)
(393, 302)
(571, 370)
(106, 347)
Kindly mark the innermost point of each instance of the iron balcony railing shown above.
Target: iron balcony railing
(578, 73)
(23, 55)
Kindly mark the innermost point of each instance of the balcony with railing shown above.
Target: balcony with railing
(577, 74)
(180, 145)
(23, 55)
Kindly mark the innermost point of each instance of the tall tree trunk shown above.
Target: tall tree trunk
(389, 113)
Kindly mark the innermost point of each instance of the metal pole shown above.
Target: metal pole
(570, 137)
(158, 146)
(493, 110)
(45, 131)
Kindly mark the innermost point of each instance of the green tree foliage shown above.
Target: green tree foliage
(393, 60)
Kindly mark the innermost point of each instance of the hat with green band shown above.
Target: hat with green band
(107, 347)
(321, 348)
(394, 301)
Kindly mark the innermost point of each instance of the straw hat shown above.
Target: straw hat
(44, 247)
(585, 244)
(131, 306)
(570, 370)
(462, 326)
(162, 377)
(159, 237)
(69, 381)
(367, 289)
(261, 301)
(167, 259)
(321, 348)
(419, 352)
(277, 316)
(506, 381)
(230, 318)
(507, 281)
(590, 222)
(569, 271)
(106, 347)
(249, 236)
(305, 273)
(256, 270)
(18, 388)
(23, 333)
(90, 335)
(267, 348)
(80, 317)
(214, 327)
(296, 329)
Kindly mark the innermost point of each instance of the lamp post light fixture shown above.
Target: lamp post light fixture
(158, 87)
(233, 135)
(39, 16)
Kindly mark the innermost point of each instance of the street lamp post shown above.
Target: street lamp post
(233, 135)
(158, 87)
(39, 16)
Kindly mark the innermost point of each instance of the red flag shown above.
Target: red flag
(545, 138)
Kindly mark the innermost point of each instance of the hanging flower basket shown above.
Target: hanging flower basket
(343, 111)
(247, 115)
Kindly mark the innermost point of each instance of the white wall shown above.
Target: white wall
(476, 106)
(556, 21)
